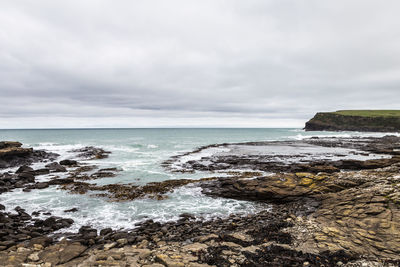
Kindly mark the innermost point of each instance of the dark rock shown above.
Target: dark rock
(88, 232)
(41, 185)
(69, 162)
(91, 152)
(12, 154)
(71, 210)
(105, 231)
(29, 177)
(41, 171)
(61, 181)
(56, 167)
(24, 169)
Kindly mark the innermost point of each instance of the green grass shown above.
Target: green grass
(369, 113)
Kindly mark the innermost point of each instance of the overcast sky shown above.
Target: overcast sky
(253, 63)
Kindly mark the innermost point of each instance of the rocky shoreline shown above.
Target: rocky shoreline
(339, 210)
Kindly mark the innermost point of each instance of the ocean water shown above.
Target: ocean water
(139, 154)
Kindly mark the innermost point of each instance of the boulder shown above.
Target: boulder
(24, 168)
(56, 167)
(69, 162)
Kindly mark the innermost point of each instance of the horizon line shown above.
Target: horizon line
(127, 128)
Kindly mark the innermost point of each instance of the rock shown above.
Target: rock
(41, 185)
(39, 243)
(56, 167)
(37, 247)
(61, 181)
(61, 253)
(7, 144)
(122, 241)
(88, 232)
(167, 261)
(34, 257)
(71, 210)
(91, 152)
(12, 154)
(206, 238)
(195, 247)
(102, 174)
(143, 253)
(41, 171)
(109, 246)
(105, 231)
(28, 177)
(24, 168)
(69, 162)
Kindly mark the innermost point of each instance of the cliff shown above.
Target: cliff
(356, 120)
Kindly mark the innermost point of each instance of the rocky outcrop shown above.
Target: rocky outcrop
(13, 154)
(298, 160)
(91, 152)
(125, 192)
(334, 121)
(357, 212)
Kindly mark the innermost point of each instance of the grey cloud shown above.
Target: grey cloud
(259, 62)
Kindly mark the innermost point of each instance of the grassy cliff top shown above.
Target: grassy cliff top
(368, 113)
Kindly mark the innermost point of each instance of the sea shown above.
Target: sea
(138, 153)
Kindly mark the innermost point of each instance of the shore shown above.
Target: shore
(339, 210)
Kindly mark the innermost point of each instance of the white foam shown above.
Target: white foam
(152, 146)
(306, 135)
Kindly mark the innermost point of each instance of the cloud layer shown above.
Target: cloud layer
(257, 63)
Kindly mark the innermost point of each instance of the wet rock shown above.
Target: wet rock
(69, 162)
(91, 152)
(27, 177)
(56, 167)
(88, 232)
(61, 181)
(71, 210)
(105, 231)
(124, 192)
(41, 185)
(102, 174)
(41, 171)
(24, 169)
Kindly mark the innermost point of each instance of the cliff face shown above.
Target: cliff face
(345, 121)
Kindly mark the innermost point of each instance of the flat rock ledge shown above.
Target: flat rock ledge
(357, 211)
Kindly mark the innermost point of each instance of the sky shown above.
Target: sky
(208, 63)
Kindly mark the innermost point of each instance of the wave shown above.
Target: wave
(341, 134)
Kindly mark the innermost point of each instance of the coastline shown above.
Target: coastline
(303, 226)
